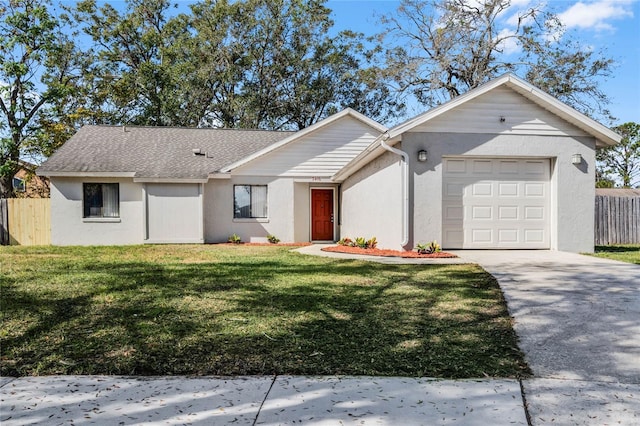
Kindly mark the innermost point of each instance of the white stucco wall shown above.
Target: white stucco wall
(174, 212)
(288, 210)
(219, 222)
(69, 228)
(572, 187)
(372, 202)
(302, 212)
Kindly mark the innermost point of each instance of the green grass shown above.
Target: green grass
(625, 253)
(236, 310)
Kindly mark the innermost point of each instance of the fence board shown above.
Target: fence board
(29, 221)
(4, 223)
(617, 220)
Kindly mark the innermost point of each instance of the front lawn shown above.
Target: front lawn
(626, 253)
(238, 310)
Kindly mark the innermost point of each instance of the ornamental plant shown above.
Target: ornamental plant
(360, 242)
(428, 248)
(372, 243)
(273, 239)
(347, 242)
(235, 239)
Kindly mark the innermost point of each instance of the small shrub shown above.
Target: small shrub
(428, 248)
(422, 248)
(273, 239)
(372, 243)
(348, 242)
(235, 239)
(359, 242)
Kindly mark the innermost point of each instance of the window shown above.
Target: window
(19, 185)
(249, 201)
(101, 199)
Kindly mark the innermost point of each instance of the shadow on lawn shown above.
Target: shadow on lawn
(262, 317)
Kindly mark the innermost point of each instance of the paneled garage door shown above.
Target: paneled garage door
(493, 203)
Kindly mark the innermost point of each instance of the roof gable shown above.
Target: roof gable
(501, 111)
(603, 135)
(305, 134)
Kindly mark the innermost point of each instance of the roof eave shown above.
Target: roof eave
(169, 180)
(54, 173)
(218, 175)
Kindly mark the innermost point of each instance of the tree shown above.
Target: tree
(34, 71)
(603, 180)
(251, 63)
(272, 64)
(137, 63)
(623, 160)
(449, 47)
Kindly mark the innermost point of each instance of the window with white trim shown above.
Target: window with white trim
(249, 201)
(101, 200)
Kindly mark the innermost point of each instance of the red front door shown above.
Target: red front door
(322, 214)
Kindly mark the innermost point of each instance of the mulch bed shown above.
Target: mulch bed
(266, 244)
(387, 253)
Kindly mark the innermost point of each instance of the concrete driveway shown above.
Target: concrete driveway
(578, 321)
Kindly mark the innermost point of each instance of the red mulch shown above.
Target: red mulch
(266, 244)
(387, 253)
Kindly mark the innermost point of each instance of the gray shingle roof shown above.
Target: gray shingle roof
(156, 152)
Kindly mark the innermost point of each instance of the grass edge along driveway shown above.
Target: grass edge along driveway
(629, 253)
(242, 310)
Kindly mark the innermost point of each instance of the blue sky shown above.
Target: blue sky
(613, 25)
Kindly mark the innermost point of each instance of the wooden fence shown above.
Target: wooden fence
(26, 221)
(617, 217)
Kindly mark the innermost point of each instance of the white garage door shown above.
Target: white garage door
(491, 203)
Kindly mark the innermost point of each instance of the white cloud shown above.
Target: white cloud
(520, 3)
(596, 15)
(510, 44)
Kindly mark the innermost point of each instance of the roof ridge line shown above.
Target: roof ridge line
(135, 126)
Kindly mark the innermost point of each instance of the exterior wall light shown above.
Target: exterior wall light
(576, 159)
(422, 156)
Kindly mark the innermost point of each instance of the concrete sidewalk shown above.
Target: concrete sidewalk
(110, 400)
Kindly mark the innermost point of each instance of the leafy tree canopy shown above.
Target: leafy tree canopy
(253, 64)
(36, 69)
(621, 162)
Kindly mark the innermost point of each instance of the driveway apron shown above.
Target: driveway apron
(578, 322)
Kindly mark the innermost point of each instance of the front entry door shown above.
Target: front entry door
(322, 214)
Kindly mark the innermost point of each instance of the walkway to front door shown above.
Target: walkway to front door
(322, 214)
